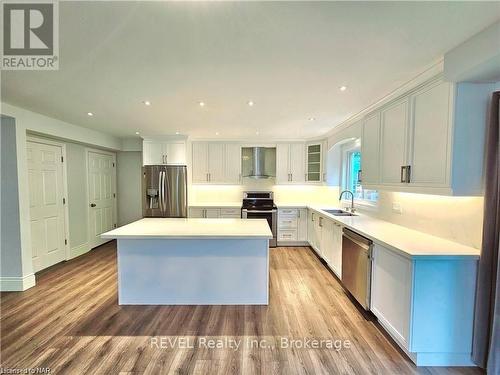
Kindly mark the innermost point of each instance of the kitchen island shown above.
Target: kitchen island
(164, 261)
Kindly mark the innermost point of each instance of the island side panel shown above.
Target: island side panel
(193, 271)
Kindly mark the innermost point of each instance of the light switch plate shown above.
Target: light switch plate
(396, 207)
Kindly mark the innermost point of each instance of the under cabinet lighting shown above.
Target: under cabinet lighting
(343, 88)
(90, 114)
(147, 102)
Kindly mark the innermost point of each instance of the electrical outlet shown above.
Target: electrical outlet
(396, 207)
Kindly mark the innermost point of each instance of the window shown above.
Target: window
(353, 175)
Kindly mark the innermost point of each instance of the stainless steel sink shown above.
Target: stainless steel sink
(340, 213)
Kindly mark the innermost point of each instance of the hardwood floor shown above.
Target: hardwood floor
(71, 323)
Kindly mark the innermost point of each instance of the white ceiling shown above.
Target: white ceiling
(289, 58)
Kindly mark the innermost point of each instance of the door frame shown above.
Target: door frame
(88, 150)
(50, 142)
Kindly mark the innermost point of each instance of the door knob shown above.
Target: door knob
(92, 205)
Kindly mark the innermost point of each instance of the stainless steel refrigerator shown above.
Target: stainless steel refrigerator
(164, 191)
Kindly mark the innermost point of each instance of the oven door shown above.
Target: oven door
(269, 215)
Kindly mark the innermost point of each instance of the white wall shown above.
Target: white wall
(27, 121)
(16, 268)
(77, 198)
(129, 188)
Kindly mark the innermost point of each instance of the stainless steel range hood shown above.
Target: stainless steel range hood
(258, 162)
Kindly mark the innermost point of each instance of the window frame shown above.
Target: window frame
(345, 161)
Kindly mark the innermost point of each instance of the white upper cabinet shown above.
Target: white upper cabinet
(394, 126)
(282, 160)
(370, 143)
(156, 152)
(216, 163)
(430, 154)
(200, 162)
(297, 162)
(232, 172)
(290, 163)
(425, 142)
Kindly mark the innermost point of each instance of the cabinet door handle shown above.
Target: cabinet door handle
(206, 177)
(312, 216)
(403, 173)
(320, 221)
(408, 174)
(324, 177)
(291, 176)
(298, 214)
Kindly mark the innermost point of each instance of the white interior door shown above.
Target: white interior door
(46, 193)
(101, 179)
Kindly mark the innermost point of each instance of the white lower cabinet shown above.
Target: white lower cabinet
(426, 304)
(292, 226)
(325, 237)
(215, 212)
(230, 213)
(391, 292)
(336, 250)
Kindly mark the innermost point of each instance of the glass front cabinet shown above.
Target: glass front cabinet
(314, 162)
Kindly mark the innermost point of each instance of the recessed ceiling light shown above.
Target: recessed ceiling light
(147, 102)
(177, 133)
(216, 133)
(137, 133)
(343, 88)
(311, 119)
(250, 103)
(90, 114)
(202, 104)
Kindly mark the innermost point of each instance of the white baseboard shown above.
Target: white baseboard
(79, 250)
(17, 284)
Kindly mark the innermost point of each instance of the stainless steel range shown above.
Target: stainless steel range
(260, 205)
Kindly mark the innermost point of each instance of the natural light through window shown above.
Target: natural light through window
(353, 176)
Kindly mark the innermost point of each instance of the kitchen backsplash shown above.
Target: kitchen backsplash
(458, 219)
(284, 194)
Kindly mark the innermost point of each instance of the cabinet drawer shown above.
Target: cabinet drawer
(287, 223)
(287, 235)
(230, 212)
(287, 212)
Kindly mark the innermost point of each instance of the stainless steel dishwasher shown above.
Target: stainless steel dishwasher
(357, 266)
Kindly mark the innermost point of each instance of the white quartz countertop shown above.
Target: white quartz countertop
(156, 228)
(407, 242)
